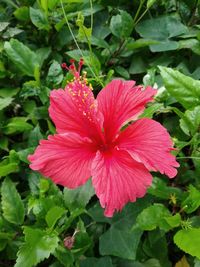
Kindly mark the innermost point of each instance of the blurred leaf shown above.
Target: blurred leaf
(22, 13)
(53, 215)
(38, 246)
(39, 19)
(11, 32)
(188, 240)
(4, 102)
(12, 205)
(122, 24)
(3, 25)
(79, 197)
(122, 72)
(17, 125)
(182, 87)
(25, 59)
(150, 3)
(182, 263)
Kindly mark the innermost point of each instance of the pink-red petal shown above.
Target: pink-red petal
(74, 109)
(148, 142)
(120, 102)
(118, 179)
(65, 159)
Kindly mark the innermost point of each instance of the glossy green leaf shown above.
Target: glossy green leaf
(183, 88)
(38, 246)
(189, 241)
(12, 205)
(24, 59)
(17, 125)
(192, 201)
(194, 117)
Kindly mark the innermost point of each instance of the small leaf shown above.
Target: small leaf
(194, 117)
(12, 205)
(22, 13)
(55, 73)
(17, 125)
(4, 102)
(192, 202)
(38, 246)
(189, 241)
(53, 215)
(182, 263)
(3, 25)
(79, 197)
(183, 88)
(122, 24)
(150, 3)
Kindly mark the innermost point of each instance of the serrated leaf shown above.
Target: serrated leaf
(38, 246)
(24, 59)
(122, 24)
(12, 205)
(79, 197)
(189, 241)
(53, 215)
(183, 88)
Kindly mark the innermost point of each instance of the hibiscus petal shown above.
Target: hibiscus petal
(148, 142)
(64, 158)
(120, 102)
(118, 179)
(75, 110)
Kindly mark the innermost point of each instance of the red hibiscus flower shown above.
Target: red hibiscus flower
(90, 143)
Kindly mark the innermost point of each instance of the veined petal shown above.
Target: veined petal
(75, 110)
(148, 142)
(118, 179)
(65, 159)
(120, 102)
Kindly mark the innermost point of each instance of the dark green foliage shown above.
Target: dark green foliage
(154, 42)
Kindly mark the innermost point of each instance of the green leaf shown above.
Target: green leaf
(4, 102)
(189, 241)
(122, 24)
(97, 262)
(120, 243)
(183, 88)
(24, 59)
(17, 125)
(53, 215)
(169, 26)
(79, 197)
(38, 246)
(39, 19)
(55, 73)
(3, 25)
(192, 202)
(150, 3)
(7, 168)
(173, 221)
(152, 217)
(22, 13)
(12, 205)
(122, 72)
(194, 117)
